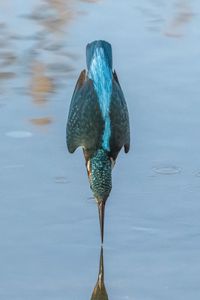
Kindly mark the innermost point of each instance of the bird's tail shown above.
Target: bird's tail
(93, 47)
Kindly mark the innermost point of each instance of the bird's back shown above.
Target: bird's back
(98, 116)
(100, 72)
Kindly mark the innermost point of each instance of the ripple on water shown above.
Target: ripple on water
(16, 166)
(19, 134)
(167, 170)
(2, 105)
(197, 174)
(61, 180)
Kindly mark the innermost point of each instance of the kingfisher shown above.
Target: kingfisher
(99, 292)
(98, 121)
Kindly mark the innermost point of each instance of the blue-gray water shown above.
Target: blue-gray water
(50, 239)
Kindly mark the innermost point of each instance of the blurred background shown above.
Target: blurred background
(50, 241)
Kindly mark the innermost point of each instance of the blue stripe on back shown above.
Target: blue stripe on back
(101, 74)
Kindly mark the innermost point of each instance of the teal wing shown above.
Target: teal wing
(120, 129)
(85, 123)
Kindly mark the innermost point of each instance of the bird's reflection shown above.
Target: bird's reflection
(99, 292)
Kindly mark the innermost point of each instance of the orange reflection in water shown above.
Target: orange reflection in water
(63, 14)
(41, 84)
(46, 60)
(182, 17)
(7, 58)
(41, 121)
(90, 1)
(7, 75)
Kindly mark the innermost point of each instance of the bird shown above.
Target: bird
(99, 292)
(98, 121)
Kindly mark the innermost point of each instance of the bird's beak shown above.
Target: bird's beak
(101, 267)
(101, 208)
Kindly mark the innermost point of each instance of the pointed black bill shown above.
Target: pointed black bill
(101, 267)
(101, 207)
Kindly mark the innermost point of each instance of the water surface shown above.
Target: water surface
(49, 229)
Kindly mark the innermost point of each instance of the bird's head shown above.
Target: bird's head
(96, 50)
(99, 169)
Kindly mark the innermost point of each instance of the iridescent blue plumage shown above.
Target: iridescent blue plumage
(98, 120)
(100, 73)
